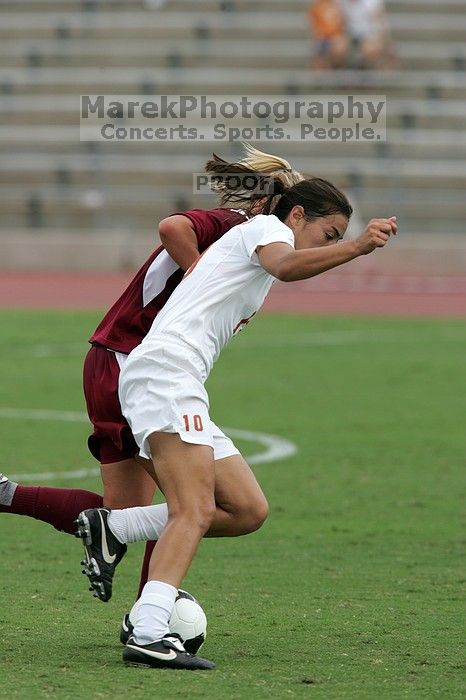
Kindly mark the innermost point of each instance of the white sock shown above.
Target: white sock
(154, 609)
(133, 613)
(140, 523)
(7, 491)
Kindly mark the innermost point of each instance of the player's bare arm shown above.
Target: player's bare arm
(178, 237)
(289, 265)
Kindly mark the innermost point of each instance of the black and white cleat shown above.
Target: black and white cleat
(102, 550)
(169, 652)
(126, 629)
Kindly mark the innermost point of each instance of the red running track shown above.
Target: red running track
(335, 292)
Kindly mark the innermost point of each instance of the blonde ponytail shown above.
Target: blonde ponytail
(263, 162)
(242, 182)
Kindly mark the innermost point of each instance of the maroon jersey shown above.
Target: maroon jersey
(129, 319)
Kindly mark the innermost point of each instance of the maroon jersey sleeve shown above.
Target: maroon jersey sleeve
(210, 225)
(128, 321)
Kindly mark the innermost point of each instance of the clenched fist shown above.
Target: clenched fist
(376, 234)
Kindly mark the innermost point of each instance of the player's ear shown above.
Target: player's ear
(297, 212)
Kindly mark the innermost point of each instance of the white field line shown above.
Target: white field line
(43, 414)
(51, 476)
(310, 339)
(51, 350)
(46, 351)
(276, 448)
(322, 339)
(318, 338)
(58, 350)
(329, 338)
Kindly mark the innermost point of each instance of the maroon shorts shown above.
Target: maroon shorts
(112, 439)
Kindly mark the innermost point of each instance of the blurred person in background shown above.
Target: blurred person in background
(367, 30)
(328, 31)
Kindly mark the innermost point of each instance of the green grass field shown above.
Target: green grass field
(353, 587)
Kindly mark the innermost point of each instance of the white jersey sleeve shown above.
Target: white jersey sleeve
(266, 229)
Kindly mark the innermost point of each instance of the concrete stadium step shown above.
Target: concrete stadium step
(178, 168)
(258, 46)
(62, 110)
(121, 208)
(403, 148)
(415, 202)
(165, 53)
(272, 25)
(80, 167)
(212, 5)
(437, 56)
(39, 208)
(78, 6)
(81, 53)
(230, 81)
(39, 113)
(97, 189)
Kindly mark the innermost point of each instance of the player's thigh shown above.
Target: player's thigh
(127, 483)
(237, 490)
(185, 473)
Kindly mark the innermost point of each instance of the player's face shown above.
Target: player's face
(320, 232)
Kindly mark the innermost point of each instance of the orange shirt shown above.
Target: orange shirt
(326, 19)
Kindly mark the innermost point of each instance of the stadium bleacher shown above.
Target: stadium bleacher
(51, 51)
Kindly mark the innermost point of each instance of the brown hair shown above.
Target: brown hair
(318, 198)
(251, 182)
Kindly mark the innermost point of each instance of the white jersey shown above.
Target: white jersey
(362, 17)
(222, 291)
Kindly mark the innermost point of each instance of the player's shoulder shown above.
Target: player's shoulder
(263, 222)
(212, 223)
(230, 217)
(261, 230)
(219, 213)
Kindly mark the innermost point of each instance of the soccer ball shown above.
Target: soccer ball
(189, 621)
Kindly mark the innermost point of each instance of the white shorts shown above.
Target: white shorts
(161, 390)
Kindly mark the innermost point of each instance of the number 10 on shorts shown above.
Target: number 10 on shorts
(195, 421)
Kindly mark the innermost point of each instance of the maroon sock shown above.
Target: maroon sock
(59, 507)
(145, 566)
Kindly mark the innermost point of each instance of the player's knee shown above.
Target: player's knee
(261, 512)
(206, 514)
(256, 514)
(119, 501)
(199, 514)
